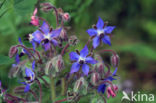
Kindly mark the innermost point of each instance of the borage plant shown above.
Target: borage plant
(44, 68)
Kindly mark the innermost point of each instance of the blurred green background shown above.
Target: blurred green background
(134, 38)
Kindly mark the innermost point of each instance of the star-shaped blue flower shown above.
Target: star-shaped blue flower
(46, 36)
(81, 60)
(100, 32)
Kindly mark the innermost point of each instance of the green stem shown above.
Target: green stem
(63, 85)
(53, 94)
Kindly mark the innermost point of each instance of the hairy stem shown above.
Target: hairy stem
(64, 49)
(53, 94)
(63, 85)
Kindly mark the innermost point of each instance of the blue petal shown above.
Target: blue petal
(46, 46)
(55, 42)
(102, 88)
(75, 67)
(106, 40)
(28, 72)
(0, 84)
(74, 56)
(109, 29)
(85, 69)
(17, 59)
(56, 33)
(90, 60)
(27, 88)
(37, 36)
(91, 32)
(45, 27)
(84, 52)
(33, 65)
(96, 41)
(100, 24)
(34, 45)
(114, 73)
(20, 41)
(110, 78)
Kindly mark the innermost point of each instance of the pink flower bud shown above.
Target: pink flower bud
(13, 51)
(66, 16)
(34, 18)
(95, 78)
(110, 92)
(115, 60)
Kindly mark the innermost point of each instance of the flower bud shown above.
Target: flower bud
(14, 71)
(95, 78)
(99, 67)
(111, 92)
(57, 63)
(63, 35)
(115, 60)
(73, 40)
(81, 86)
(13, 51)
(66, 17)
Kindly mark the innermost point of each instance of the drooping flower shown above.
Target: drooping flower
(100, 32)
(46, 36)
(34, 18)
(102, 88)
(29, 76)
(110, 92)
(81, 60)
(24, 51)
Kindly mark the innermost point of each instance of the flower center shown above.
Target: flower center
(47, 37)
(30, 37)
(81, 60)
(99, 32)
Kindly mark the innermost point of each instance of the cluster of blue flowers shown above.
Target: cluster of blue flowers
(49, 62)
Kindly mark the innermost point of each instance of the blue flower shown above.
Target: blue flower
(111, 78)
(81, 60)
(101, 88)
(46, 36)
(100, 32)
(29, 76)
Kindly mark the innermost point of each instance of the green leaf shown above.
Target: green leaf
(5, 60)
(23, 7)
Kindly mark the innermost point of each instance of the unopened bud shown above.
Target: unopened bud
(73, 40)
(115, 60)
(99, 67)
(81, 86)
(13, 51)
(66, 17)
(95, 78)
(63, 35)
(57, 63)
